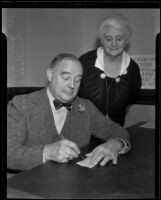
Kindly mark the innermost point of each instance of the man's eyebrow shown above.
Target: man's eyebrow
(70, 73)
(65, 73)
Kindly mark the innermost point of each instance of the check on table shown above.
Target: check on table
(132, 177)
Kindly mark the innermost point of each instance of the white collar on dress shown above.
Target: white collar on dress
(100, 63)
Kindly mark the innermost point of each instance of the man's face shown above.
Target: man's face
(65, 80)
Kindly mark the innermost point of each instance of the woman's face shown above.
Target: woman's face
(114, 41)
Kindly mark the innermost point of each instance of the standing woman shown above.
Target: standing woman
(111, 77)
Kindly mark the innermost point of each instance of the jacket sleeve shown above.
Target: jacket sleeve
(104, 128)
(136, 81)
(20, 155)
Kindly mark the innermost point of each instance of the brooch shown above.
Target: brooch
(117, 80)
(102, 75)
(81, 108)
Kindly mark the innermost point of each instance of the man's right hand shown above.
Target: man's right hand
(61, 151)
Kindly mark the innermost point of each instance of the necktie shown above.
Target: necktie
(58, 104)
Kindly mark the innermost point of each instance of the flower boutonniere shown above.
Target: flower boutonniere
(81, 108)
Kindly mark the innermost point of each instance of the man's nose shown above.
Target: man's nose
(71, 83)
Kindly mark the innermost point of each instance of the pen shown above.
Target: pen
(81, 155)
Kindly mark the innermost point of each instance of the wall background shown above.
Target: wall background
(36, 35)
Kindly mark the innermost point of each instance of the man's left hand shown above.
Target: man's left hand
(106, 152)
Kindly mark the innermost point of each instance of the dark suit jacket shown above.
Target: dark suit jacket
(30, 125)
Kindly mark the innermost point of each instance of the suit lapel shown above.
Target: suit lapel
(66, 126)
(74, 122)
(45, 113)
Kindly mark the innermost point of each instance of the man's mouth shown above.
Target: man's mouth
(69, 92)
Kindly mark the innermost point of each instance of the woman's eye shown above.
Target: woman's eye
(108, 39)
(119, 39)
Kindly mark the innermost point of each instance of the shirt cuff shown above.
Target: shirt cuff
(43, 158)
(124, 148)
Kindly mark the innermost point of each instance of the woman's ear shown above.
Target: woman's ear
(127, 44)
(49, 74)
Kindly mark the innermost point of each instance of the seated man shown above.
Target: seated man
(54, 123)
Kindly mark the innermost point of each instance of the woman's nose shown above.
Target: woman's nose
(113, 42)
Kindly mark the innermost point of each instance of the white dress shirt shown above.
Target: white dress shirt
(59, 115)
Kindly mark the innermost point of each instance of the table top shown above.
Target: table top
(132, 177)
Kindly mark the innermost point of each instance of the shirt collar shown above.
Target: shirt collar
(100, 63)
(50, 96)
(51, 99)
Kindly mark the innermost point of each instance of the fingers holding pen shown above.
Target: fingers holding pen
(71, 146)
(69, 151)
(61, 151)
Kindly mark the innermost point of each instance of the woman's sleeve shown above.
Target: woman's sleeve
(136, 81)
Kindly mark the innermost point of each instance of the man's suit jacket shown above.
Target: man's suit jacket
(30, 125)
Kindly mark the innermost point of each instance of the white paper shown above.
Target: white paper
(150, 124)
(86, 163)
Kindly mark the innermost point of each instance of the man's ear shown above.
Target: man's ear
(49, 74)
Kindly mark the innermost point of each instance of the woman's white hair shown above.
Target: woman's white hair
(116, 20)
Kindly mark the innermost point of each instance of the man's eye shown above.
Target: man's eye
(65, 77)
(78, 80)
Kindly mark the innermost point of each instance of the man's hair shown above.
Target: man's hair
(64, 56)
(114, 20)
